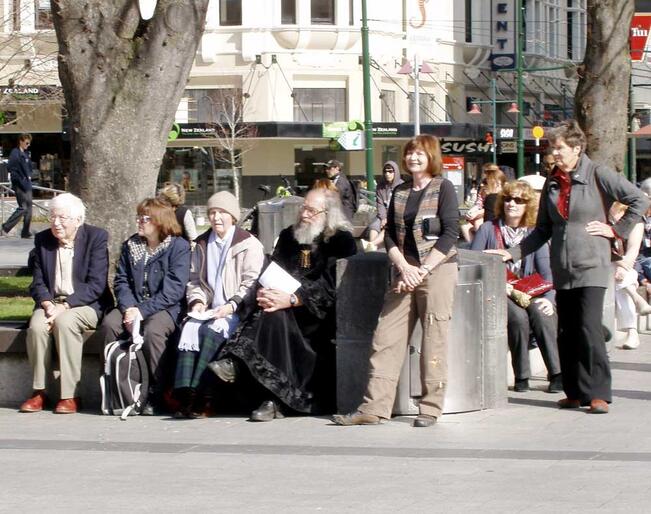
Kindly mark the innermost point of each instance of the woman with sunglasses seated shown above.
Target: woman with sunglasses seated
(149, 284)
(516, 211)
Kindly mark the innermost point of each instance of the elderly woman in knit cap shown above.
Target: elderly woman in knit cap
(226, 262)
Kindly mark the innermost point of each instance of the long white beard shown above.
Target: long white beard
(305, 233)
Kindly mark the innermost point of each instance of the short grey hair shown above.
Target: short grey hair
(72, 205)
(645, 186)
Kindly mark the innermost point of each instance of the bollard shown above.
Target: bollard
(477, 342)
(274, 215)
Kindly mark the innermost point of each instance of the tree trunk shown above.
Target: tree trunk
(123, 79)
(601, 97)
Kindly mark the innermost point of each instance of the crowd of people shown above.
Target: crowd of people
(214, 325)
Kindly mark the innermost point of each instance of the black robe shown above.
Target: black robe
(291, 352)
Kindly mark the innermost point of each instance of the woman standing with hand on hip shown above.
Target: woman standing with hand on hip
(421, 231)
(572, 212)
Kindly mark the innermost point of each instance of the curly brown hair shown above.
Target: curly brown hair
(523, 190)
(162, 215)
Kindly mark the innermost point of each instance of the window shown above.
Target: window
(230, 12)
(323, 12)
(388, 105)
(288, 12)
(468, 21)
(351, 12)
(323, 104)
(43, 13)
(209, 105)
(576, 29)
(427, 106)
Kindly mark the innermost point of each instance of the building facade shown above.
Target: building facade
(274, 84)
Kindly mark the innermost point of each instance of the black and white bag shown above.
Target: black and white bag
(125, 382)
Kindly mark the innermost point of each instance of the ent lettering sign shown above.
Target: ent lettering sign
(639, 35)
(503, 34)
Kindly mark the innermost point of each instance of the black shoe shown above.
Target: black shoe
(555, 384)
(424, 420)
(26, 236)
(268, 411)
(521, 386)
(225, 369)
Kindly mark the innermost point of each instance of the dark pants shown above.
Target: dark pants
(521, 323)
(584, 360)
(156, 331)
(24, 201)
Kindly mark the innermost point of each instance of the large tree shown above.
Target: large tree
(603, 89)
(123, 78)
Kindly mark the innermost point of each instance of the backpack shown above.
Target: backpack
(125, 383)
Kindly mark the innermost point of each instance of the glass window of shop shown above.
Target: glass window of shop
(230, 12)
(319, 104)
(288, 12)
(209, 105)
(388, 99)
(323, 12)
(309, 161)
(201, 170)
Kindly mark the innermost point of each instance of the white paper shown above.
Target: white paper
(201, 316)
(274, 277)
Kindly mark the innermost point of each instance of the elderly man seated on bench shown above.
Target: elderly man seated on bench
(70, 290)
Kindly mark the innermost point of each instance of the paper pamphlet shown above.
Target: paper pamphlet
(274, 277)
(201, 316)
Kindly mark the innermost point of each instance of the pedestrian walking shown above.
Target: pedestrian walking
(20, 168)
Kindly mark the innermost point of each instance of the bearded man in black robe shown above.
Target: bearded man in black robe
(287, 344)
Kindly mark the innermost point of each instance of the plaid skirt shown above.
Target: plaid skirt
(190, 365)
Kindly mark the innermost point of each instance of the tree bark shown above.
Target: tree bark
(601, 97)
(123, 79)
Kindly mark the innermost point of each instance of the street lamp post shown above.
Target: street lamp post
(417, 69)
(368, 115)
(493, 101)
(519, 71)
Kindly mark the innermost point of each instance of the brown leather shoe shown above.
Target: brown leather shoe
(68, 406)
(598, 406)
(568, 403)
(35, 403)
(356, 418)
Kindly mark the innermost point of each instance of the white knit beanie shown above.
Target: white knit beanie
(226, 201)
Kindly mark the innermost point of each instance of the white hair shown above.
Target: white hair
(335, 217)
(72, 205)
(645, 186)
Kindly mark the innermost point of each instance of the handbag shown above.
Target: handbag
(533, 285)
(616, 243)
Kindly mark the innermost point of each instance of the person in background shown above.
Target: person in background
(149, 284)
(573, 214)
(71, 293)
(517, 207)
(493, 179)
(421, 232)
(20, 168)
(346, 192)
(643, 261)
(325, 183)
(174, 194)
(628, 303)
(226, 262)
(390, 180)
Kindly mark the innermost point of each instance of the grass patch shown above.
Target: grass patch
(18, 308)
(14, 286)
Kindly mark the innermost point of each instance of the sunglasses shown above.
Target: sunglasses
(517, 199)
(143, 219)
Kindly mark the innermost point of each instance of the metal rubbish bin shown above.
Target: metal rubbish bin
(274, 215)
(477, 344)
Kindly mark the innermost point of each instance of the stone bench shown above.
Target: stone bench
(16, 375)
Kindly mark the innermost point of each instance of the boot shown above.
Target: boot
(641, 305)
(632, 340)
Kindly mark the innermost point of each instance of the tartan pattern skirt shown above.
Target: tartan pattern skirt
(190, 365)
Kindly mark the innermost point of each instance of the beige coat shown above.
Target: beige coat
(244, 261)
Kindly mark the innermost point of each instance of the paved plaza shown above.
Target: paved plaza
(527, 457)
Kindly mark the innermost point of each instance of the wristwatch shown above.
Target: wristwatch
(426, 267)
(293, 300)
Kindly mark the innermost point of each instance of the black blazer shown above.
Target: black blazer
(89, 269)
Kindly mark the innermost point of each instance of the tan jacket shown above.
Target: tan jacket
(244, 261)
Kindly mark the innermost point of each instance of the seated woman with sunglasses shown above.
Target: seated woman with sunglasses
(516, 210)
(149, 284)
